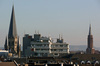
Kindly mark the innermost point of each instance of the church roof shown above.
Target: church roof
(12, 27)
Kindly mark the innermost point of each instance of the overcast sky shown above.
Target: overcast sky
(71, 18)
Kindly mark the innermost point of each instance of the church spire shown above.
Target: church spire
(90, 30)
(90, 49)
(6, 44)
(11, 43)
(12, 27)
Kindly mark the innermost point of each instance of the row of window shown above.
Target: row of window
(58, 49)
(51, 49)
(40, 45)
(42, 49)
(51, 45)
(59, 45)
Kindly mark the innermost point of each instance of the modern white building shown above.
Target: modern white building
(59, 48)
(44, 47)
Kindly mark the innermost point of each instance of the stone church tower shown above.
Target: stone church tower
(90, 49)
(12, 40)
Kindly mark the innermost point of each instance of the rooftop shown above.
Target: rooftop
(7, 64)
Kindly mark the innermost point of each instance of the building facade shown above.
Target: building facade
(44, 46)
(12, 40)
(90, 49)
(26, 43)
(41, 45)
(59, 48)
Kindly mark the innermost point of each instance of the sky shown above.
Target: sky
(70, 18)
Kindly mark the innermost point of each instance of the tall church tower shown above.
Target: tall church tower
(12, 41)
(90, 49)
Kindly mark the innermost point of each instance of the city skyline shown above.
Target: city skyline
(69, 18)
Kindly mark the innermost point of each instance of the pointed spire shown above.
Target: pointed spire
(59, 36)
(12, 27)
(19, 41)
(18, 47)
(5, 46)
(90, 30)
(6, 43)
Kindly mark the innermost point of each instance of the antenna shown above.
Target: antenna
(38, 31)
(59, 36)
(7, 40)
(90, 21)
(24, 32)
(90, 29)
(35, 31)
(13, 3)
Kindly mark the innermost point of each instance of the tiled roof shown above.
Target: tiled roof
(7, 64)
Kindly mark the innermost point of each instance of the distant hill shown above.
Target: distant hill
(80, 47)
